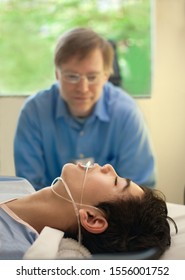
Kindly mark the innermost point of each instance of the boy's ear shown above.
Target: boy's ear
(93, 221)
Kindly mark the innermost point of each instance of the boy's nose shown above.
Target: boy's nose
(108, 168)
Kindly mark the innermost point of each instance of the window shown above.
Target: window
(29, 31)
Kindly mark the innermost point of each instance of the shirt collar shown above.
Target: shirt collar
(61, 107)
(100, 109)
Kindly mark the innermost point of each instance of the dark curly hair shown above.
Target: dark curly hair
(134, 224)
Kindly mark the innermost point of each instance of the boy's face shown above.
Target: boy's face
(101, 184)
(82, 95)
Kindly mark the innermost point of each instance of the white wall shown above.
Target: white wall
(164, 112)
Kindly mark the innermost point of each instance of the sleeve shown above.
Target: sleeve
(136, 158)
(28, 148)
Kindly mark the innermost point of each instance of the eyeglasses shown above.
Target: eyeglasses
(75, 78)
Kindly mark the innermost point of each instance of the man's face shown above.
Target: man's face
(82, 95)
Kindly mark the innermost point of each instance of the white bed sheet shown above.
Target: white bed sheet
(13, 187)
(177, 248)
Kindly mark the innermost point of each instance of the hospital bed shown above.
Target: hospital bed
(11, 187)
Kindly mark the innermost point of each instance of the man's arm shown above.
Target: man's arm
(28, 148)
(136, 158)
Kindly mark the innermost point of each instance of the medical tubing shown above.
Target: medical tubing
(72, 201)
(83, 184)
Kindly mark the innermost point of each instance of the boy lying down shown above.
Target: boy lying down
(100, 211)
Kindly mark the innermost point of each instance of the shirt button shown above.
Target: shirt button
(81, 133)
(81, 155)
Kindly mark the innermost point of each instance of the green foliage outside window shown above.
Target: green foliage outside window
(29, 30)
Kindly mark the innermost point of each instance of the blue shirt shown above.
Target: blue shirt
(15, 236)
(48, 136)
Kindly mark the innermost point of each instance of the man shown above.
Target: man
(82, 117)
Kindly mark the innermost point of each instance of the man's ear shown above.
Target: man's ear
(107, 76)
(92, 220)
(56, 74)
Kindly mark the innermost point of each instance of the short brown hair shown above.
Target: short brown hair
(80, 42)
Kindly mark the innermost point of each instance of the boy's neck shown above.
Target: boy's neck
(43, 209)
